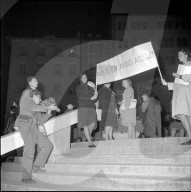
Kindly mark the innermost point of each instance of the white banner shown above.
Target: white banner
(131, 62)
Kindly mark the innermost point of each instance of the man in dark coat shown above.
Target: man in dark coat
(152, 109)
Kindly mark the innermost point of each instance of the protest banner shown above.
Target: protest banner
(131, 62)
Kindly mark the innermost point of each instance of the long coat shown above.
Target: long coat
(128, 115)
(107, 102)
(152, 124)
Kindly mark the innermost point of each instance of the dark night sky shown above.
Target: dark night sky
(37, 18)
(59, 18)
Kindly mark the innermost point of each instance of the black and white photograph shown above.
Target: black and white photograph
(95, 95)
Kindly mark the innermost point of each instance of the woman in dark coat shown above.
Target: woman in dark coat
(87, 116)
(108, 105)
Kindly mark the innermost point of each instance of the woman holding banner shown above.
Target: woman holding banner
(108, 105)
(181, 100)
(127, 114)
(87, 116)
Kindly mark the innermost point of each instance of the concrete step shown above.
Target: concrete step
(182, 159)
(113, 169)
(140, 159)
(124, 169)
(16, 185)
(106, 182)
(144, 150)
(135, 142)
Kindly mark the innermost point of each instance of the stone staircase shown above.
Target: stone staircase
(140, 164)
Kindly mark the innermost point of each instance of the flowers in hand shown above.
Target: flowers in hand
(50, 101)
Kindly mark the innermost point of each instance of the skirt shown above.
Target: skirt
(181, 101)
(109, 119)
(86, 116)
(128, 116)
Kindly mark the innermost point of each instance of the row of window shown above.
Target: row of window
(136, 25)
(92, 49)
(142, 25)
(170, 60)
(22, 69)
(172, 24)
(98, 49)
(171, 42)
(58, 68)
(41, 51)
(165, 43)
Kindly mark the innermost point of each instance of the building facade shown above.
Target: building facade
(167, 33)
(58, 62)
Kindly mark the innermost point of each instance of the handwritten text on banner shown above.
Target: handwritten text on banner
(131, 62)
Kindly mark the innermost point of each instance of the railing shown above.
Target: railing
(58, 130)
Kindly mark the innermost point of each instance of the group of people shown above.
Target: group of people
(32, 115)
(105, 99)
(89, 98)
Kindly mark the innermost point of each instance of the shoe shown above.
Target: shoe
(92, 145)
(187, 142)
(29, 181)
(38, 170)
